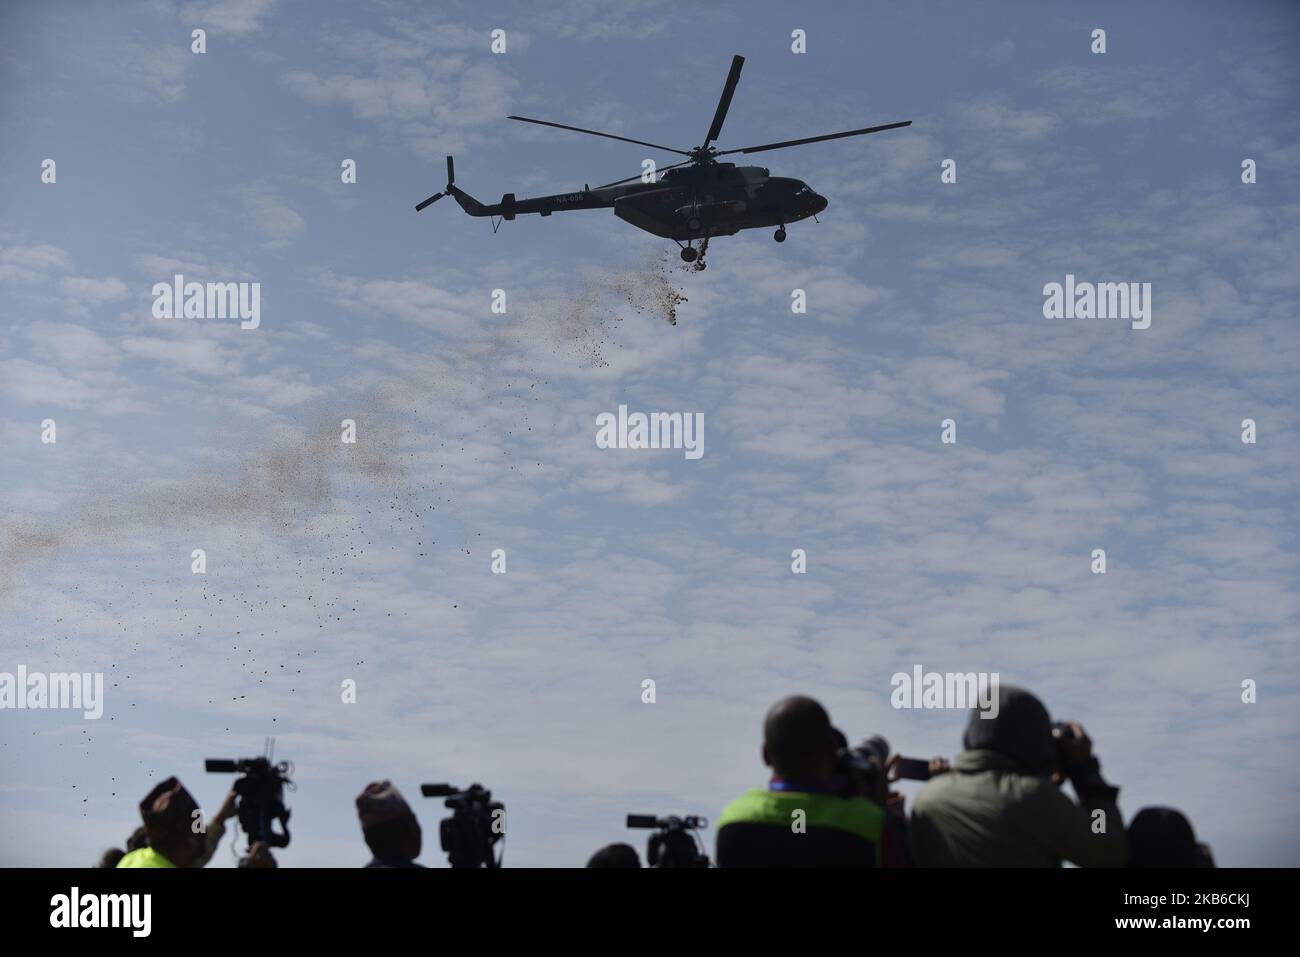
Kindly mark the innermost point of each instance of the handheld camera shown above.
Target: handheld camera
(676, 842)
(261, 795)
(477, 823)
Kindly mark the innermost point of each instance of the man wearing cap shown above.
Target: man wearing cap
(389, 826)
(172, 821)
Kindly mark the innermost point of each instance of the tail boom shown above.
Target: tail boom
(509, 207)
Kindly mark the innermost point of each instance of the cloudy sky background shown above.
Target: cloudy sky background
(822, 431)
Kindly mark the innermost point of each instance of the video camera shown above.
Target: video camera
(677, 843)
(261, 795)
(476, 824)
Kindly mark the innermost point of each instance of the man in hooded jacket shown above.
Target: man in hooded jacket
(1001, 805)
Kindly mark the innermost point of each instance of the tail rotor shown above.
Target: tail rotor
(451, 180)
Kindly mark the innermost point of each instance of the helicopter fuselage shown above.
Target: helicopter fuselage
(691, 200)
(697, 202)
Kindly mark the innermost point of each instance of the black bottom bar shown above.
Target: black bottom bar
(330, 906)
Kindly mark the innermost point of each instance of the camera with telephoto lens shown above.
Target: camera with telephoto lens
(261, 796)
(1062, 735)
(676, 842)
(1063, 731)
(860, 771)
(476, 824)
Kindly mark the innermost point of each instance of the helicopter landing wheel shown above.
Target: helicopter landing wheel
(689, 255)
(779, 235)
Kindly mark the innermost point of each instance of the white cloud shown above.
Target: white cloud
(994, 115)
(997, 53)
(151, 74)
(84, 293)
(71, 345)
(410, 85)
(237, 17)
(585, 21)
(31, 263)
(270, 215)
(35, 383)
(199, 355)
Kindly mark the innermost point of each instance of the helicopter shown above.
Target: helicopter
(691, 201)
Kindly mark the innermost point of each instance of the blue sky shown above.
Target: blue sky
(476, 430)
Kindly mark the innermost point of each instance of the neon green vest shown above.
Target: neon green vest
(858, 816)
(145, 857)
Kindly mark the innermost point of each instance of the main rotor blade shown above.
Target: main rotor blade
(579, 129)
(430, 201)
(724, 103)
(661, 169)
(814, 139)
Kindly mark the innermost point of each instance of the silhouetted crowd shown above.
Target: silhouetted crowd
(999, 803)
